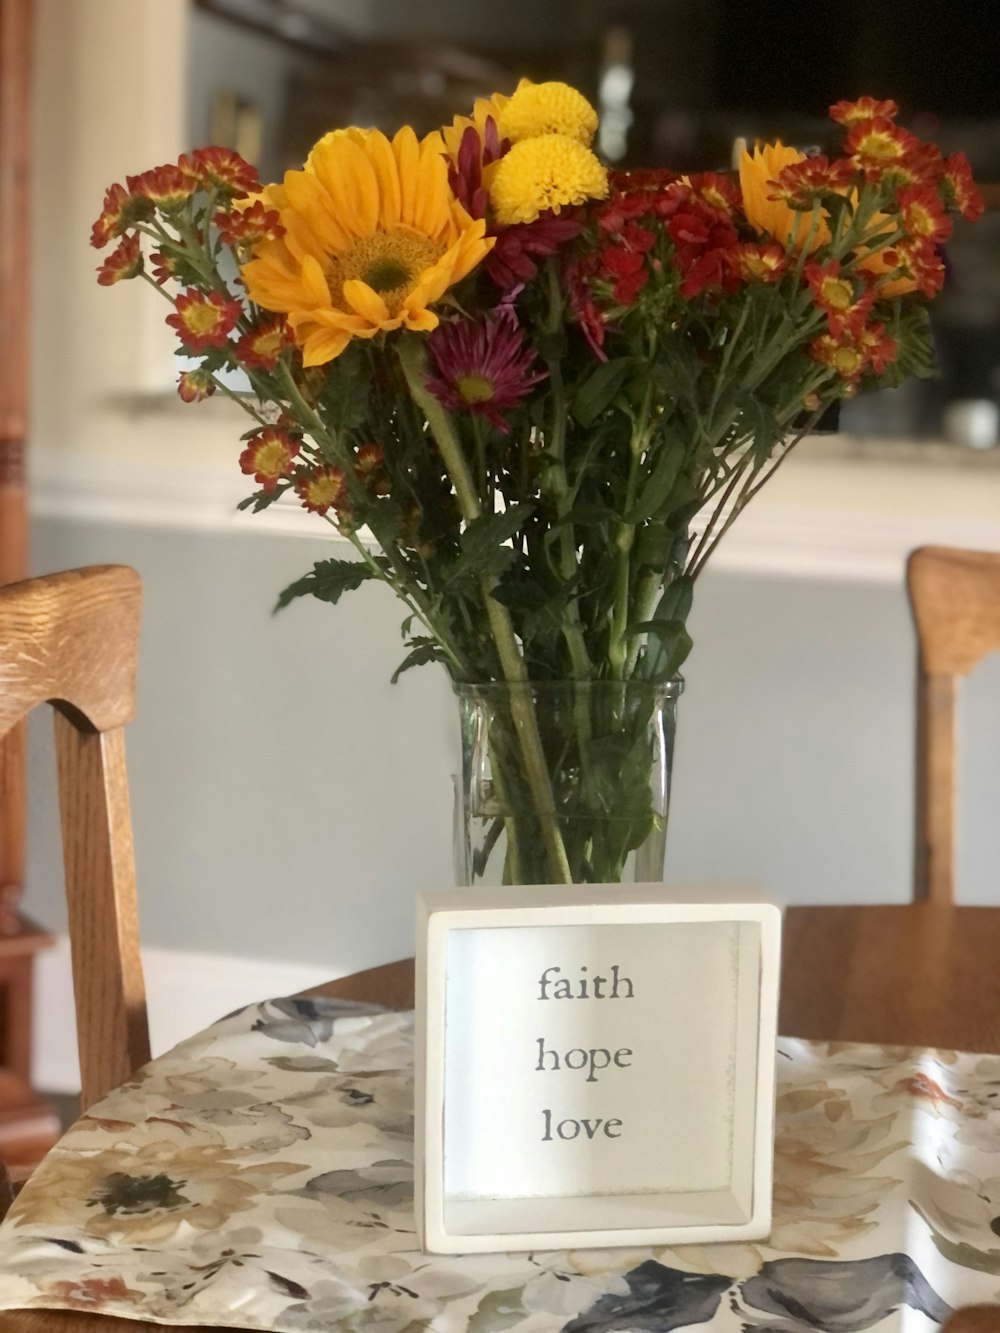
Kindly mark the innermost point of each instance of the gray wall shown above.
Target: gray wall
(288, 801)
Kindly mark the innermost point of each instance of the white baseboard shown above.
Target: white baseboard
(186, 992)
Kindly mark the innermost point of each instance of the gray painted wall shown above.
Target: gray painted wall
(288, 802)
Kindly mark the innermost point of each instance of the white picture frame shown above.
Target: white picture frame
(550, 1108)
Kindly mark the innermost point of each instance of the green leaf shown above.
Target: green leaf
(482, 546)
(599, 389)
(673, 643)
(328, 580)
(675, 604)
(659, 484)
(425, 650)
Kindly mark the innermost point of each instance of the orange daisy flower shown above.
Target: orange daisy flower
(268, 456)
(121, 210)
(204, 321)
(124, 261)
(321, 489)
(260, 347)
(834, 293)
(760, 262)
(865, 108)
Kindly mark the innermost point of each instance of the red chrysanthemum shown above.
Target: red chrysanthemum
(842, 355)
(803, 184)
(865, 108)
(922, 214)
(195, 385)
(757, 261)
(220, 169)
(368, 459)
(369, 469)
(248, 226)
(626, 269)
(269, 456)
(204, 321)
(877, 346)
(164, 267)
(260, 347)
(483, 365)
(960, 189)
(705, 244)
(166, 188)
(921, 261)
(320, 489)
(718, 191)
(834, 292)
(120, 211)
(124, 261)
(876, 146)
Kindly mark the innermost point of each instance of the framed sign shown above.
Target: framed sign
(595, 1067)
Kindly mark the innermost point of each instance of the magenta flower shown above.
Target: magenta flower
(483, 365)
(513, 260)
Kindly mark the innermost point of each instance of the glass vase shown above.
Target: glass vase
(564, 781)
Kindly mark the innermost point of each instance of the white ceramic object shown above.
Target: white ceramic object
(595, 1067)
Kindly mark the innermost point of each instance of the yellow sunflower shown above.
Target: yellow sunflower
(773, 216)
(373, 237)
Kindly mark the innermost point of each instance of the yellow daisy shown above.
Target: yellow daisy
(547, 108)
(549, 172)
(773, 216)
(373, 237)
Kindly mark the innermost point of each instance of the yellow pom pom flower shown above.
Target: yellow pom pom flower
(547, 108)
(550, 172)
(373, 237)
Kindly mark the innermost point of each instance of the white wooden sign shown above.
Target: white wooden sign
(595, 1067)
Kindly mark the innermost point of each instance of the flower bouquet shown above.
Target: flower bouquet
(533, 394)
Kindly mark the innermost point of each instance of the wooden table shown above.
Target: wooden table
(917, 975)
(907, 975)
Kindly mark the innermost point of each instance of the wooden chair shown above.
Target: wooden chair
(955, 599)
(71, 640)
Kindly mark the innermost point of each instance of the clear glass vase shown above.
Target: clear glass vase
(564, 781)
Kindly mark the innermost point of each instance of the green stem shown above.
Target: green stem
(411, 359)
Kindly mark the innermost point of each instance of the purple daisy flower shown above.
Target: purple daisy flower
(483, 365)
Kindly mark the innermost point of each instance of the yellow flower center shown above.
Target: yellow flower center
(324, 490)
(847, 361)
(837, 293)
(272, 458)
(268, 344)
(201, 318)
(474, 388)
(882, 147)
(389, 262)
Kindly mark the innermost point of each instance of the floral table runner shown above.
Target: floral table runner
(260, 1176)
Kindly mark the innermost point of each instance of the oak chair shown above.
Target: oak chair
(955, 599)
(71, 640)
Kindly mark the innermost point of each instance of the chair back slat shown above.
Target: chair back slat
(955, 600)
(955, 597)
(111, 1022)
(71, 640)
